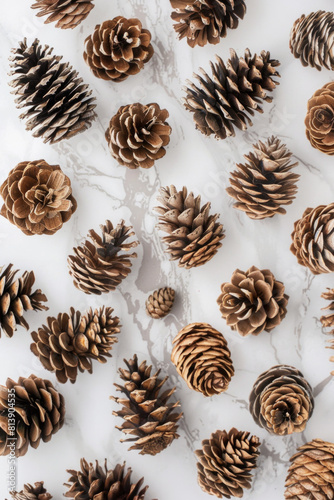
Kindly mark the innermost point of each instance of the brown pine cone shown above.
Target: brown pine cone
(37, 197)
(319, 119)
(281, 400)
(31, 410)
(202, 358)
(137, 135)
(206, 21)
(328, 319)
(225, 463)
(118, 49)
(311, 473)
(254, 301)
(312, 239)
(66, 13)
(160, 302)
(265, 182)
(37, 492)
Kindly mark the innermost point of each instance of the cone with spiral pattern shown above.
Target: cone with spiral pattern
(29, 492)
(65, 13)
(160, 302)
(327, 320)
(319, 119)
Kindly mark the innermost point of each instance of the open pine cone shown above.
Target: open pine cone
(160, 302)
(29, 492)
(319, 119)
(328, 319)
(281, 400)
(65, 13)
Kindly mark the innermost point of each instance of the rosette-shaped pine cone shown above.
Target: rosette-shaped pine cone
(194, 236)
(29, 492)
(328, 319)
(160, 302)
(206, 21)
(319, 119)
(253, 301)
(225, 463)
(265, 182)
(312, 239)
(31, 410)
(150, 419)
(202, 358)
(37, 197)
(311, 473)
(118, 49)
(66, 13)
(59, 104)
(281, 400)
(235, 91)
(71, 341)
(101, 264)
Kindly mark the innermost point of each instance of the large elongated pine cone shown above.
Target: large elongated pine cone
(194, 236)
(235, 91)
(202, 358)
(265, 182)
(311, 473)
(59, 104)
(253, 302)
(118, 48)
(29, 492)
(206, 21)
(37, 197)
(327, 320)
(312, 239)
(319, 119)
(160, 302)
(71, 341)
(281, 400)
(150, 419)
(100, 265)
(225, 463)
(31, 410)
(16, 297)
(65, 13)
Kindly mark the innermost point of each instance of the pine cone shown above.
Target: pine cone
(31, 410)
(254, 301)
(311, 473)
(37, 492)
(202, 358)
(160, 302)
(311, 40)
(71, 341)
(229, 98)
(66, 13)
(193, 235)
(98, 266)
(206, 21)
(16, 297)
(38, 197)
(312, 239)
(118, 49)
(137, 135)
(225, 463)
(328, 319)
(319, 119)
(148, 415)
(59, 103)
(265, 182)
(281, 400)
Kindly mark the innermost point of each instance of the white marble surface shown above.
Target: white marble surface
(105, 190)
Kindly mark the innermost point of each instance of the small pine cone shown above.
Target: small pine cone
(265, 182)
(225, 463)
(319, 119)
(59, 104)
(281, 400)
(137, 135)
(311, 473)
(148, 414)
(328, 319)
(66, 13)
(16, 297)
(206, 21)
(312, 239)
(254, 301)
(228, 99)
(118, 49)
(100, 265)
(202, 358)
(160, 302)
(193, 235)
(31, 410)
(37, 492)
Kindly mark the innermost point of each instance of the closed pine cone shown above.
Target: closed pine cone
(66, 13)
(202, 358)
(118, 49)
(328, 319)
(281, 400)
(206, 21)
(265, 182)
(160, 302)
(36, 492)
(225, 463)
(39, 412)
(254, 301)
(150, 419)
(319, 119)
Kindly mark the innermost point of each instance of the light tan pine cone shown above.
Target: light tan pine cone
(327, 320)
(29, 492)
(160, 302)
(319, 119)
(65, 13)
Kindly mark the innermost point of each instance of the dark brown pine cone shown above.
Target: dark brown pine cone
(281, 400)
(66, 13)
(254, 301)
(160, 302)
(328, 319)
(118, 49)
(319, 119)
(36, 492)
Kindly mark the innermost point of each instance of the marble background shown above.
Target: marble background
(104, 190)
